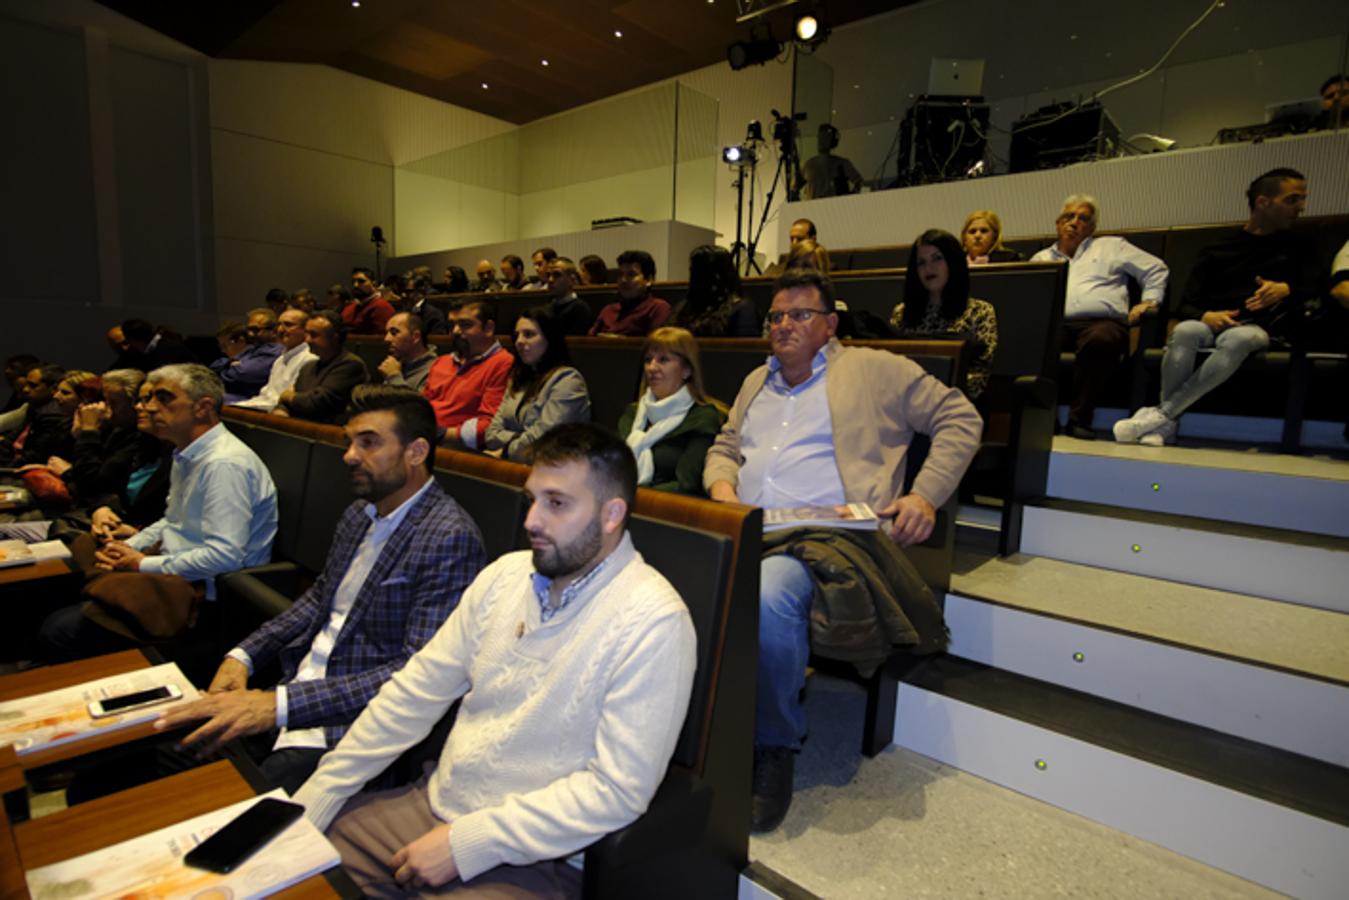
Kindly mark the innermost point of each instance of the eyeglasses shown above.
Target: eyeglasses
(797, 315)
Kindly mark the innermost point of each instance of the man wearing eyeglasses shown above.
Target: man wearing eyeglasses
(221, 517)
(1096, 314)
(245, 368)
(821, 425)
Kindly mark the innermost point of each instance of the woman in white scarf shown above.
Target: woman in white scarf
(673, 423)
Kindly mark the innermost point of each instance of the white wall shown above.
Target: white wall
(304, 164)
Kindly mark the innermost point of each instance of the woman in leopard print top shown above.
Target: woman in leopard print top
(938, 271)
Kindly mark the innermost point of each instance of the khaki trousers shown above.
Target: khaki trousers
(373, 827)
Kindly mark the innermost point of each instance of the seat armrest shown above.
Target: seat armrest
(1035, 391)
(269, 589)
(678, 816)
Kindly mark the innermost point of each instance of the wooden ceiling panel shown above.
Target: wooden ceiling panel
(424, 51)
(447, 49)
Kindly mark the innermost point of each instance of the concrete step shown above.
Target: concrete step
(1287, 492)
(1266, 815)
(1296, 567)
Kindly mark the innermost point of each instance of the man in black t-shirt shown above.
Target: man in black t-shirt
(1242, 290)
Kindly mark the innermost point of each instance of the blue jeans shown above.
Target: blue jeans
(1182, 386)
(786, 590)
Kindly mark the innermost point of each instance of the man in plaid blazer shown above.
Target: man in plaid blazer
(401, 557)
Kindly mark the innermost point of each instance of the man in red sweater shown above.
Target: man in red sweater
(636, 313)
(465, 387)
(368, 312)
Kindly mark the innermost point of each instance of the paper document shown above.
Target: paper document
(58, 717)
(151, 866)
(858, 516)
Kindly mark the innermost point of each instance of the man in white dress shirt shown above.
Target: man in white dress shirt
(295, 353)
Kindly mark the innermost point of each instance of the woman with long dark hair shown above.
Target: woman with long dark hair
(714, 306)
(543, 390)
(938, 302)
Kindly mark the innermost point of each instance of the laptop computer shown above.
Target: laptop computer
(955, 78)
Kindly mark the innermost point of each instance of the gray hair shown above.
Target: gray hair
(1084, 200)
(196, 380)
(128, 381)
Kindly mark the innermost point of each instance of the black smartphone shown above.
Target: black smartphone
(231, 846)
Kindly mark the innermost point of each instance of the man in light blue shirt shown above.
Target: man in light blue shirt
(1096, 314)
(221, 517)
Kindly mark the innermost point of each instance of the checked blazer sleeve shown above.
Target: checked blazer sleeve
(305, 616)
(409, 594)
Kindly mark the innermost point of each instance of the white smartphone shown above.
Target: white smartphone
(112, 706)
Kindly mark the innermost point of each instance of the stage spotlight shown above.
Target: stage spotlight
(809, 30)
(737, 155)
(759, 49)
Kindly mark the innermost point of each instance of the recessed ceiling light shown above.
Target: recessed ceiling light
(617, 33)
(543, 62)
(484, 85)
(356, 3)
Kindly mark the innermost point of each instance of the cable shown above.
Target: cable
(1132, 79)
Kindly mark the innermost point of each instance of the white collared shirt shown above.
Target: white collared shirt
(314, 666)
(285, 370)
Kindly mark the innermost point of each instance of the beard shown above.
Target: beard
(564, 559)
(375, 488)
(459, 344)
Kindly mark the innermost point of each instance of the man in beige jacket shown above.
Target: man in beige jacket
(819, 425)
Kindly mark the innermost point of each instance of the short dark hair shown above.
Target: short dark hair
(138, 330)
(1268, 184)
(613, 470)
(369, 272)
(548, 254)
(277, 295)
(413, 416)
(483, 310)
(639, 258)
(954, 297)
(810, 226)
(414, 323)
(333, 318)
(22, 362)
(50, 373)
(1333, 79)
(515, 261)
(800, 278)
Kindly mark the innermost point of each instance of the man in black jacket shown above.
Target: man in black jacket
(323, 387)
(1241, 291)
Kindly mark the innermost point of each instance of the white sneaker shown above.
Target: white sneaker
(1162, 436)
(1147, 419)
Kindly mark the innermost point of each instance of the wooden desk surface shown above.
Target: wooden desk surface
(47, 568)
(52, 678)
(109, 820)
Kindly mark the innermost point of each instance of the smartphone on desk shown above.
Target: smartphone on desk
(231, 846)
(111, 706)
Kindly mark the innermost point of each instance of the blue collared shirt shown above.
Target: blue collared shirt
(1099, 273)
(221, 514)
(787, 440)
(543, 584)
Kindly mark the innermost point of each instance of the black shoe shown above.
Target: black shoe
(772, 787)
(1081, 432)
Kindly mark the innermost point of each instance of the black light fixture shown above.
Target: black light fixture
(759, 49)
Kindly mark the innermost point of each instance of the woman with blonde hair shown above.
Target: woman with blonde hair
(673, 423)
(981, 236)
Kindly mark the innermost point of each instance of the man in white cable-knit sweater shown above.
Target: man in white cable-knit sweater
(574, 662)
